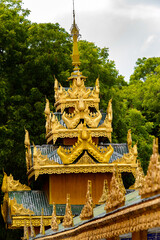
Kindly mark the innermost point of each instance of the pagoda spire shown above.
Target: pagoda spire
(75, 34)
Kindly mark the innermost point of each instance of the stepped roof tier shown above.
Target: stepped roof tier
(77, 104)
(83, 157)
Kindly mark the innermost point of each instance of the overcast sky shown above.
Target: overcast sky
(129, 28)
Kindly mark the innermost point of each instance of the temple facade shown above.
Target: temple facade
(82, 193)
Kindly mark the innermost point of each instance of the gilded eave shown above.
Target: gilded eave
(84, 168)
(20, 221)
(101, 131)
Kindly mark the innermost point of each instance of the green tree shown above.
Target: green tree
(143, 67)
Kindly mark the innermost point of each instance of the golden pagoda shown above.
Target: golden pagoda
(74, 154)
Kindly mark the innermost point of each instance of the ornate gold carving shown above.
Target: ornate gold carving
(151, 181)
(85, 159)
(81, 112)
(18, 209)
(87, 211)
(129, 140)
(42, 226)
(143, 216)
(48, 117)
(41, 160)
(120, 181)
(104, 196)
(68, 217)
(139, 177)
(54, 224)
(77, 168)
(28, 150)
(19, 221)
(116, 196)
(130, 157)
(71, 133)
(85, 143)
(9, 184)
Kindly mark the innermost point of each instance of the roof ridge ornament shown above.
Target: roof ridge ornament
(75, 34)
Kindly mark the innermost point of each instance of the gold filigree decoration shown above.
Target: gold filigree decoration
(81, 112)
(131, 219)
(48, 117)
(151, 181)
(85, 159)
(9, 184)
(77, 90)
(139, 177)
(54, 224)
(42, 226)
(120, 181)
(131, 157)
(68, 217)
(129, 140)
(18, 209)
(87, 211)
(63, 132)
(28, 150)
(108, 120)
(116, 196)
(77, 168)
(41, 160)
(85, 143)
(104, 196)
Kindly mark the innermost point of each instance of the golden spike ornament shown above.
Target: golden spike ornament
(116, 197)
(87, 211)
(151, 181)
(54, 224)
(9, 184)
(129, 140)
(68, 217)
(75, 35)
(139, 177)
(28, 150)
(42, 226)
(104, 196)
(48, 116)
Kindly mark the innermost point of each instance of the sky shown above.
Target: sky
(129, 28)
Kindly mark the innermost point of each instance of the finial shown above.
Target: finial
(104, 196)
(54, 224)
(87, 211)
(68, 217)
(27, 140)
(116, 196)
(75, 34)
(42, 226)
(73, 13)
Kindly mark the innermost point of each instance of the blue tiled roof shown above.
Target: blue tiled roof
(51, 151)
(34, 200)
